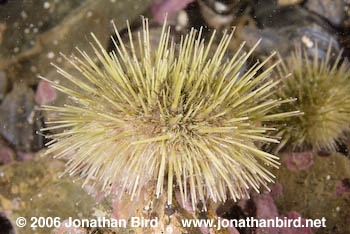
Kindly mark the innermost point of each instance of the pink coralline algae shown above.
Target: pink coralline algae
(186, 205)
(265, 206)
(123, 209)
(299, 161)
(6, 155)
(45, 93)
(295, 230)
(162, 7)
(343, 187)
(276, 191)
(266, 209)
(22, 156)
(206, 230)
(233, 230)
(63, 229)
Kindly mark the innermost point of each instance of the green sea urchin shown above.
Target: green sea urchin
(174, 114)
(322, 89)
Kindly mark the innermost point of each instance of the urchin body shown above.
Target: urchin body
(168, 118)
(322, 92)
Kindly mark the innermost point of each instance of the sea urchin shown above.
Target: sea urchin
(172, 117)
(322, 89)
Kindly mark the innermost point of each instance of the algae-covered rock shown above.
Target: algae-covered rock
(35, 32)
(313, 192)
(32, 189)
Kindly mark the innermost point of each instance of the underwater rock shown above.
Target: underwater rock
(38, 31)
(332, 10)
(298, 161)
(27, 21)
(5, 225)
(19, 120)
(32, 188)
(289, 23)
(312, 192)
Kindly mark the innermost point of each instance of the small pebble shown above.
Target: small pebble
(220, 7)
(182, 20)
(88, 14)
(46, 5)
(50, 55)
(24, 15)
(307, 41)
(33, 69)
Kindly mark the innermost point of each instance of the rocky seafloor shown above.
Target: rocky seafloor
(311, 185)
